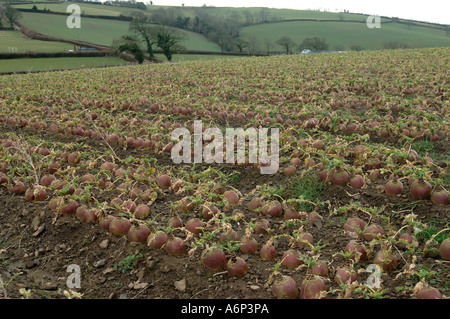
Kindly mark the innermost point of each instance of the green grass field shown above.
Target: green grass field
(86, 8)
(99, 31)
(40, 64)
(346, 34)
(13, 41)
(239, 13)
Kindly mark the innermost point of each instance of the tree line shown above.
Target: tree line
(141, 31)
(9, 14)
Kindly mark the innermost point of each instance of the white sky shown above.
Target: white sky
(437, 11)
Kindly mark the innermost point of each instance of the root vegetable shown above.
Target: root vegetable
(291, 259)
(175, 222)
(290, 170)
(340, 177)
(164, 181)
(420, 190)
(429, 293)
(320, 269)
(73, 158)
(213, 258)
(267, 251)
(345, 276)
(357, 250)
(175, 246)
(138, 233)
(35, 194)
(248, 245)
(312, 288)
(129, 206)
(262, 226)
(119, 226)
(373, 231)
(237, 267)
(105, 221)
(387, 260)
(91, 215)
(354, 225)
(142, 211)
(232, 197)
(157, 240)
(357, 181)
(291, 213)
(393, 188)
(208, 211)
(304, 239)
(46, 180)
(272, 208)
(254, 204)
(81, 211)
(68, 208)
(228, 235)
(405, 240)
(440, 197)
(444, 249)
(285, 287)
(313, 217)
(195, 226)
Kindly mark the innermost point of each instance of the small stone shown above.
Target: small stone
(180, 285)
(108, 270)
(104, 244)
(141, 285)
(150, 264)
(100, 263)
(33, 263)
(141, 273)
(36, 222)
(39, 231)
(49, 286)
(254, 287)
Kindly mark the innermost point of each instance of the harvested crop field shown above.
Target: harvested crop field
(87, 180)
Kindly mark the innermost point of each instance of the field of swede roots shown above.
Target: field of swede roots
(358, 208)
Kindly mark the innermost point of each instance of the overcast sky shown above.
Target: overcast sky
(437, 11)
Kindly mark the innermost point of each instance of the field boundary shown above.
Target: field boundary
(92, 16)
(58, 70)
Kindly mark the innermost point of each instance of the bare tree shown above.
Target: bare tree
(146, 32)
(253, 45)
(222, 38)
(2, 8)
(12, 15)
(169, 40)
(286, 43)
(240, 44)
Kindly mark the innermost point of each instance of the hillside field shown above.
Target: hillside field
(98, 31)
(342, 34)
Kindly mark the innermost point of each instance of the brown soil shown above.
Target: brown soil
(37, 246)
